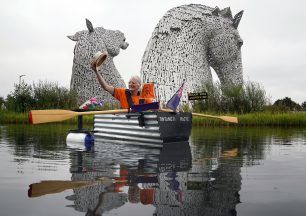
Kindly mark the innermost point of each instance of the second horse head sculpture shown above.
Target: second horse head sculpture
(186, 42)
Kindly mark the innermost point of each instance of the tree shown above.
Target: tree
(250, 97)
(20, 100)
(1, 103)
(287, 103)
(49, 95)
(304, 105)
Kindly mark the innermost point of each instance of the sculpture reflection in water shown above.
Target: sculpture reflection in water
(137, 175)
(174, 179)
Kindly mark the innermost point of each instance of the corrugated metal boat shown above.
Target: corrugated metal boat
(144, 128)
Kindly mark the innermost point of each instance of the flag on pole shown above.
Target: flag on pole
(90, 104)
(175, 100)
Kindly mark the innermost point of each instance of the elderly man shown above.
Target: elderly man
(126, 97)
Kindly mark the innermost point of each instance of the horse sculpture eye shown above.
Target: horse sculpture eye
(240, 43)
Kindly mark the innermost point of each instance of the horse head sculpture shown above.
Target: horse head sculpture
(186, 42)
(88, 42)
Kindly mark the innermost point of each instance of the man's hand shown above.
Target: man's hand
(93, 65)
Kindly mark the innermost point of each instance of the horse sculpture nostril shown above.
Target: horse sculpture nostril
(124, 45)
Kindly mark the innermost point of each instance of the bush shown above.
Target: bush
(21, 99)
(246, 98)
(48, 95)
(287, 104)
(44, 95)
(303, 106)
(2, 101)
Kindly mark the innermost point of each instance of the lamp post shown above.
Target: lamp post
(20, 78)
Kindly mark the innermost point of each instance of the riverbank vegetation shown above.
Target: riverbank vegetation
(248, 102)
(295, 119)
(41, 95)
(8, 117)
(289, 119)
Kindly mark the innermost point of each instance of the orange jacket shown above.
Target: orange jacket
(119, 94)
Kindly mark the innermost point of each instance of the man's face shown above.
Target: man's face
(133, 85)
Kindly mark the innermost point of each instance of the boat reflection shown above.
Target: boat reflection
(173, 179)
(139, 175)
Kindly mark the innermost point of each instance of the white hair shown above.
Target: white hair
(136, 79)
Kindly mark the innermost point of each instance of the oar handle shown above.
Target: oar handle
(102, 112)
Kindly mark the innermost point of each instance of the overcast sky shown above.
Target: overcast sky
(33, 38)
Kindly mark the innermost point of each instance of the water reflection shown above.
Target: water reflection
(150, 176)
(166, 178)
(45, 141)
(201, 177)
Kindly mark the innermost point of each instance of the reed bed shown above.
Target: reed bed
(8, 117)
(273, 119)
(290, 119)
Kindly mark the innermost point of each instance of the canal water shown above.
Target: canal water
(219, 171)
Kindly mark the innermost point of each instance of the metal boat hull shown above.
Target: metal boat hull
(146, 128)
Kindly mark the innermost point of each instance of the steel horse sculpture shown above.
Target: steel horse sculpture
(186, 42)
(88, 42)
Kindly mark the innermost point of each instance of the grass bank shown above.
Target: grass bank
(22, 118)
(273, 119)
(294, 119)
(290, 119)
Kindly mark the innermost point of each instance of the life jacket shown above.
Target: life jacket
(129, 98)
(147, 196)
(147, 92)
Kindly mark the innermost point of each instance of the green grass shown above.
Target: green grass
(13, 118)
(296, 119)
(22, 118)
(273, 119)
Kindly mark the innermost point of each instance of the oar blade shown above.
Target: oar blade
(230, 119)
(53, 186)
(58, 186)
(46, 116)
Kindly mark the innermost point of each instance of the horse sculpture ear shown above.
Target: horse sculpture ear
(237, 19)
(73, 37)
(89, 26)
(226, 12)
(216, 11)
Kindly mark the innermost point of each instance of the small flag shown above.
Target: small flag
(90, 104)
(175, 100)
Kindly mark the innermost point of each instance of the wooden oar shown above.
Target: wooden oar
(56, 115)
(50, 187)
(230, 119)
(57, 186)
(224, 118)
